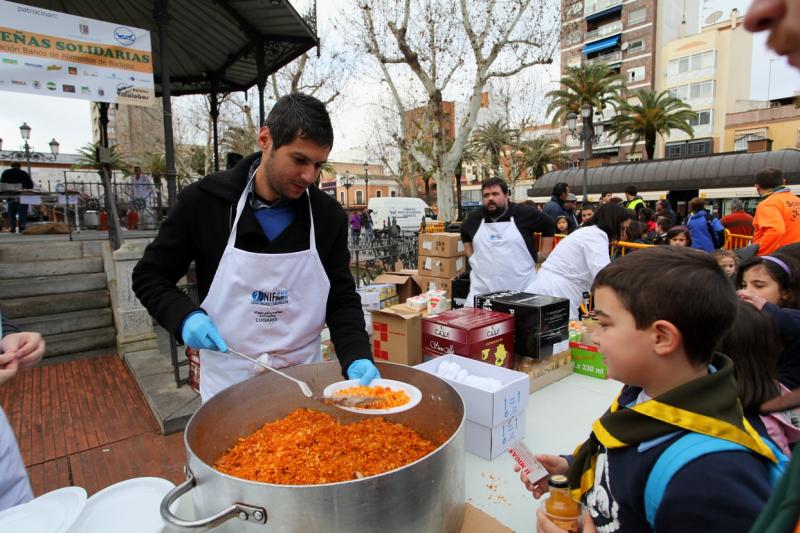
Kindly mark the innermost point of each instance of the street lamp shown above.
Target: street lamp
(347, 182)
(366, 182)
(28, 152)
(590, 132)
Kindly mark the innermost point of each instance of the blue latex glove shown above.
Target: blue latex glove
(363, 370)
(199, 332)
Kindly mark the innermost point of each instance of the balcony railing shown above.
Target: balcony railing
(590, 8)
(602, 31)
(613, 57)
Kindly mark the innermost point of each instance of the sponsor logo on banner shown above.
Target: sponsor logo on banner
(101, 92)
(68, 88)
(113, 76)
(122, 87)
(37, 84)
(34, 65)
(54, 67)
(84, 29)
(90, 73)
(270, 297)
(18, 82)
(85, 90)
(9, 61)
(52, 86)
(124, 36)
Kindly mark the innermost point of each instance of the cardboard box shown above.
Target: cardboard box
(485, 408)
(378, 296)
(396, 335)
(441, 244)
(540, 321)
(546, 371)
(442, 267)
(429, 282)
(475, 333)
(477, 521)
(406, 282)
(588, 360)
(460, 290)
(491, 442)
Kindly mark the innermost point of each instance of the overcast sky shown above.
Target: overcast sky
(68, 121)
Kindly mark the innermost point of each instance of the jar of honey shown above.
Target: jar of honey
(559, 506)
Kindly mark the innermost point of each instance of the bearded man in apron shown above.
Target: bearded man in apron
(499, 242)
(271, 258)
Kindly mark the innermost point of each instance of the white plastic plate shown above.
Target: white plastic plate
(131, 506)
(413, 393)
(54, 512)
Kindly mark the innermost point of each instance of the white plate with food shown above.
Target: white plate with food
(386, 391)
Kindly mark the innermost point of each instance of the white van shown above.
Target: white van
(408, 212)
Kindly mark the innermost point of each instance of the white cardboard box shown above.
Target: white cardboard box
(488, 443)
(482, 407)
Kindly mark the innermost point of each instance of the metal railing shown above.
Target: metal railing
(734, 241)
(613, 57)
(590, 8)
(602, 31)
(370, 258)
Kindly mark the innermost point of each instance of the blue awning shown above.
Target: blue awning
(601, 45)
(600, 14)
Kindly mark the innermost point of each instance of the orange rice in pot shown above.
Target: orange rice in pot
(308, 447)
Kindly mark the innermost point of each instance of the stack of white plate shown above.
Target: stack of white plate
(128, 506)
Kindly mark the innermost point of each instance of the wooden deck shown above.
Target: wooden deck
(85, 423)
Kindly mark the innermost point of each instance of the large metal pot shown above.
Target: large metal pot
(424, 496)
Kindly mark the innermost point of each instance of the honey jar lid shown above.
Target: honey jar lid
(558, 481)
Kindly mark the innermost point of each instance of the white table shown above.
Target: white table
(558, 418)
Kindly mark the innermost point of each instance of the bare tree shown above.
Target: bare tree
(420, 50)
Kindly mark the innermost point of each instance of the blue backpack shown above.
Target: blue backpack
(685, 450)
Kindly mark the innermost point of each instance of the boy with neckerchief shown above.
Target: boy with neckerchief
(659, 340)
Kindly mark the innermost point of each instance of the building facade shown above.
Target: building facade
(353, 187)
(626, 35)
(711, 72)
(779, 124)
(136, 130)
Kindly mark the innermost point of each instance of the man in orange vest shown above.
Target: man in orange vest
(777, 220)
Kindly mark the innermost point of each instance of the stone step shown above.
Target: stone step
(81, 341)
(52, 304)
(41, 285)
(27, 270)
(40, 251)
(67, 322)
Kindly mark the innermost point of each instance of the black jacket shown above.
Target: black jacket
(197, 229)
(17, 175)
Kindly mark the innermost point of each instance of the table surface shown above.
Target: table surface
(558, 417)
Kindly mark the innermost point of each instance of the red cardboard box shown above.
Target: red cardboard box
(479, 334)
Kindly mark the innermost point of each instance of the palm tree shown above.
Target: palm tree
(651, 114)
(491, 139)
(595, 84)
(88, 157)
(541, 154)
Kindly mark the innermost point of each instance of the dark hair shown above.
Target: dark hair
(561, 217)
(299, 115)
(697, 204)
(15, 164)
(530, 203)
(664, 203)
(677, 230)
(609, 218)
(635, 230)
(645, 214)
(769, 178)
(495, 182)
(630, 189)
(792, 250)
(603, 195)
(753, 344)
(787, 281)
(684, 275)
(665, 223)
(559, 189)
(614, 200)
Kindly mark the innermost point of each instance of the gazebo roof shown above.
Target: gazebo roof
(209, 38)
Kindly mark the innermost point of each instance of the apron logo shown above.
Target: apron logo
(494, 237)
(270, 297)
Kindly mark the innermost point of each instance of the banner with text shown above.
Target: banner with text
(50, 53)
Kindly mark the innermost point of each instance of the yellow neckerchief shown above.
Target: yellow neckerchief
(680, 418)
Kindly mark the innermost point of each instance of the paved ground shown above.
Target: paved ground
(85, 423)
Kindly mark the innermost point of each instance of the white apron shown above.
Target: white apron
(500, 260)
(272, 303)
